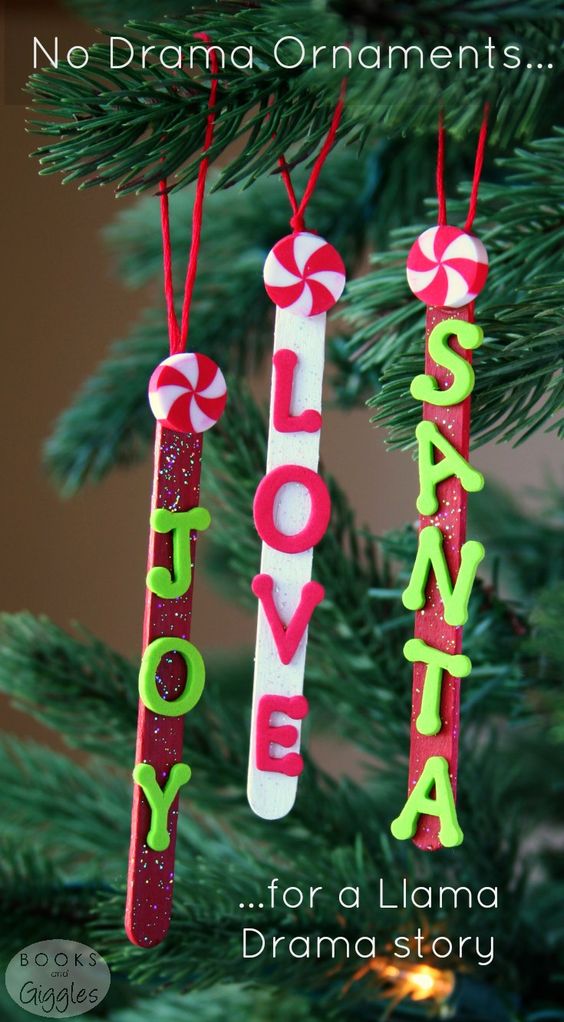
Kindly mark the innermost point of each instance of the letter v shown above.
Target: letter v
(287, 637)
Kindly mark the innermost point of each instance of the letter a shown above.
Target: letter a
(434, 775)
(432, 472)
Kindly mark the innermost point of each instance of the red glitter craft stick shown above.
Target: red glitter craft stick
(430, 626)
(446, 269)
(176, 487)
(187, 394)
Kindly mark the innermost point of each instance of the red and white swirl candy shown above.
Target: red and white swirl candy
(304, 274)
(187, 393)
(447, 267)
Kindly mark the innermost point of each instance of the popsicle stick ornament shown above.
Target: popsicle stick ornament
(187, 395)
(446, 269)
(304, 276)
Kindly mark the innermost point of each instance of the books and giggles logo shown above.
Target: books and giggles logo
(57, 978)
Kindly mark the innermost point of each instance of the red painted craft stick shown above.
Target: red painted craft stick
(187, 395)
(450, 518)
(176, 487)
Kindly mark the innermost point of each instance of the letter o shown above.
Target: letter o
(263, 509)
(448, 943)
(195, 677)
(82, 51)
(293, 39)
(287, 902)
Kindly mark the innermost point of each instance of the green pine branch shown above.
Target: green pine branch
(109, 422)
(527, 551)
(49, 674)
(133, 126)
(88, 693)
(117, 12)
(361, 12)
(519, 378)
(215, 873)
(36, 901)
(343, 829)
(226, 1000)
(360, 628)
(358, 632)
(499, 816)
(33, 777)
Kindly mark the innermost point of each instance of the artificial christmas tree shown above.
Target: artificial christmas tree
(65, 871)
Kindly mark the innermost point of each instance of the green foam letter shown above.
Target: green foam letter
(160, 799)
(425, 387)
(195, 677)
(458, 666)
(434, 775)
(160, 580)
(432, 472)
(430, 554)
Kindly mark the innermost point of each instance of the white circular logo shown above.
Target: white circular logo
(57, 978)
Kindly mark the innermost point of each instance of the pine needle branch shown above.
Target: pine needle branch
(226, 1000)
(32, 892)
(50, 675)
(519, 370)
(218, 921)
(527, 550)
(360, 628)
(109, 422)
(204, 946)
(132, 126)
(33, 777)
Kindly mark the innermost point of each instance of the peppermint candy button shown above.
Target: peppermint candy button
(304, 274)
(187, 393)
(447, 267)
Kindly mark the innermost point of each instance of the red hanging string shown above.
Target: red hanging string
(297, 221)
(178, 332)
(478, 165)
(440, 176)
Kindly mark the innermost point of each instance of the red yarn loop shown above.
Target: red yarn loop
(440, 176)
(478, 165)
(297, 220)
(178, 332)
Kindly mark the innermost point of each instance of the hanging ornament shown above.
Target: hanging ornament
(446, 269)
(187, 395)
(304, 276)
(187, 392)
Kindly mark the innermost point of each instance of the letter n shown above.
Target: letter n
(430, 554)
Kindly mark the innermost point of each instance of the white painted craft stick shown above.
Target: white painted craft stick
(272, 794)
